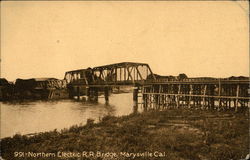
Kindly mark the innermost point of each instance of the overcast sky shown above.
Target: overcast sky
(46, 39)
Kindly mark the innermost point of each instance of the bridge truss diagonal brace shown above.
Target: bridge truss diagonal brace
(129, 72)
(139, 72)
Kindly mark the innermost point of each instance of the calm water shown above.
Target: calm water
(39, 116)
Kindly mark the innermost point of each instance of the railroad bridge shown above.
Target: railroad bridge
(158, 92)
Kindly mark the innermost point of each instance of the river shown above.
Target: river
(39, 116)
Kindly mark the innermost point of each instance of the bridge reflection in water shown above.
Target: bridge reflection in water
(159, 93)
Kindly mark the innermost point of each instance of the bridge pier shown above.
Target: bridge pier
(135, 99)
(87, 93)
(145, 102)
(78, 93)
(96, 94)
(93, 94)
(106, 94)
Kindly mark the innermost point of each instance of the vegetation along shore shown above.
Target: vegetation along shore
(174, 134)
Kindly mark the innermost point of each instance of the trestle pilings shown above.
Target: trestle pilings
(215, 96)
(198, 96)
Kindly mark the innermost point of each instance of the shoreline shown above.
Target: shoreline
(175, 133)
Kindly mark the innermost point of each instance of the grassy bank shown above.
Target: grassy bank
(179, 134)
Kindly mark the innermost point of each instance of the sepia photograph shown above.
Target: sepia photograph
(124, 80)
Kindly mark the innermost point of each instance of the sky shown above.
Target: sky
(48, 38)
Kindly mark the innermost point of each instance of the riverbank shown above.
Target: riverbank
(173, 134)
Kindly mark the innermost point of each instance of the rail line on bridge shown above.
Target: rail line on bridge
(158, 92)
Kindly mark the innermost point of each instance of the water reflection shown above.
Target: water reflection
(38, 116)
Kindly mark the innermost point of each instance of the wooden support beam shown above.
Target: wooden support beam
(219, 94)
(144, 99)
(152, 98)
(190, 95)
(237, 95)
(87, 93)
(96, 94)
(162, 96)
(178, 96)
(78, 92)
(212, 88)
(135, 99)
(204, 94)
(120, 74)
(159, 97)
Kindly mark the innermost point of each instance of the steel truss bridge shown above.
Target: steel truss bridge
(126, 73)
(157, 92)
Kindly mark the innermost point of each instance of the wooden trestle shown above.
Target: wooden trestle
(220, 95)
